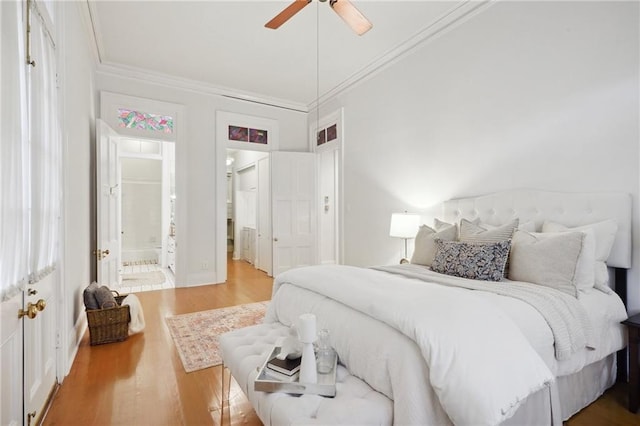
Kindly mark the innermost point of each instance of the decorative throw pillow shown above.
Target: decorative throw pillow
(89, 296)
(604, 234)
(477, 261)
(474, 232)
(105, 298)
(425, 246)
(548, 259)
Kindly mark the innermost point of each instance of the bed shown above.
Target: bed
(445, 347)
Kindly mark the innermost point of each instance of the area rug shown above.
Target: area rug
(143, 278)
(196, 334)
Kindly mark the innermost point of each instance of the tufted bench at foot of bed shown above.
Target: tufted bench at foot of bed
(244, 351)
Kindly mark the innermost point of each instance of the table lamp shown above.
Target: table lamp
(404, 225)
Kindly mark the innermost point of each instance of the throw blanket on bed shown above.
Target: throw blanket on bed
(566, 318)
(480, 365)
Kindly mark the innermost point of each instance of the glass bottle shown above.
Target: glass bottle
(325, 354)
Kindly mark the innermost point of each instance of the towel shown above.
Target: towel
(136, 325)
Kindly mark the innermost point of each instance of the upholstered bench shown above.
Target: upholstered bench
(355, 403)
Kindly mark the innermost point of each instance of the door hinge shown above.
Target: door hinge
(31, 416)
(58, 340)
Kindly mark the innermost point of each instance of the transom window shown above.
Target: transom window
(131, 119)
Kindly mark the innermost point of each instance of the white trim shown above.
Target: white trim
(223, 119)
(179, 137)
(77, 331)
(464, 10)
(93, 27)
(336, 117)
(194, 86)
(110, 102)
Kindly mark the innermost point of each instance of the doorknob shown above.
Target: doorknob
(275, 239)
(31, 312)
(32, 309)
(41, 304)
(100, 254)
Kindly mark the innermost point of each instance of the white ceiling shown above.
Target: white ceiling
(225, 45)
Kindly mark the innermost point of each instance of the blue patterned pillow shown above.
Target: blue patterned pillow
(477, 261)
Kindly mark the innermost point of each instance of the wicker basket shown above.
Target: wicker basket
(110, 324)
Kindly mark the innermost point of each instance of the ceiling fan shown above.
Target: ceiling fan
(343, 8)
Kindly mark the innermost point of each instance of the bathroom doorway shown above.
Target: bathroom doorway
(147, 227)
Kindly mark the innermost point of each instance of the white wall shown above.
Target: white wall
(201, 198)
(78, 132)
(525, 94)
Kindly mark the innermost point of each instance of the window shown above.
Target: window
(131, 119)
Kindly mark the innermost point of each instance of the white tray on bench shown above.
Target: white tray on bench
(326, 385)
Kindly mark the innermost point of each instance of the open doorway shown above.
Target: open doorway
(146, 178)
(249, 208)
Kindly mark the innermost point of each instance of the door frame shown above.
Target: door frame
(336, 117)
(223, 120)
(109, 104)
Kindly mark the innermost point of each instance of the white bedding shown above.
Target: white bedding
(604, 313)
(444, 378)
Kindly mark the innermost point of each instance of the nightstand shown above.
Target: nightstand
(633, 326)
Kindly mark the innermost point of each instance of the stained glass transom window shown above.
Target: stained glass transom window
(146, 121)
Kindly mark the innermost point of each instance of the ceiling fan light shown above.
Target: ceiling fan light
(351, 15)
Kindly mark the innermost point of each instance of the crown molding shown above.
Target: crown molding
(87, 14)
(460, 13)
(195, 86)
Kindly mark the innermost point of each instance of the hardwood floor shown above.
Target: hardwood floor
(141, 381)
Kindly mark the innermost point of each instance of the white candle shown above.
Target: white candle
(307, 328)
(307, 335)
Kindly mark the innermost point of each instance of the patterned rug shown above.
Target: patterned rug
(196, 334)
(143, 278)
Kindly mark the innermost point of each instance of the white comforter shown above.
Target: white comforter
(441, 354)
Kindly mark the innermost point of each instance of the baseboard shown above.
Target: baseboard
(75, 336)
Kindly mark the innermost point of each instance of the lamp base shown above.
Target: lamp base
(403, 260)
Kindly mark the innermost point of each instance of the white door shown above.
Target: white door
(11, 386)
(11, 381)
(328, 179)
(108, 206)
(293, 184)
(39, 347)
(27, 353)
(264, 259)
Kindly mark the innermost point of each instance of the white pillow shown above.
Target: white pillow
(440, 225)
(529, 226)
(425, 246)
(548, 259)
(604, 234)
(471, 232)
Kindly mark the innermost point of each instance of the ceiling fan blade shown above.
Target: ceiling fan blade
(351, 16)
(287, 13)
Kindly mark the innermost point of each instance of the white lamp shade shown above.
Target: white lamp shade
(404, 225)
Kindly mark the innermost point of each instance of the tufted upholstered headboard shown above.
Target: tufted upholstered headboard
(571, 209)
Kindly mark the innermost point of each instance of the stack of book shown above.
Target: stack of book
(286, 370)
